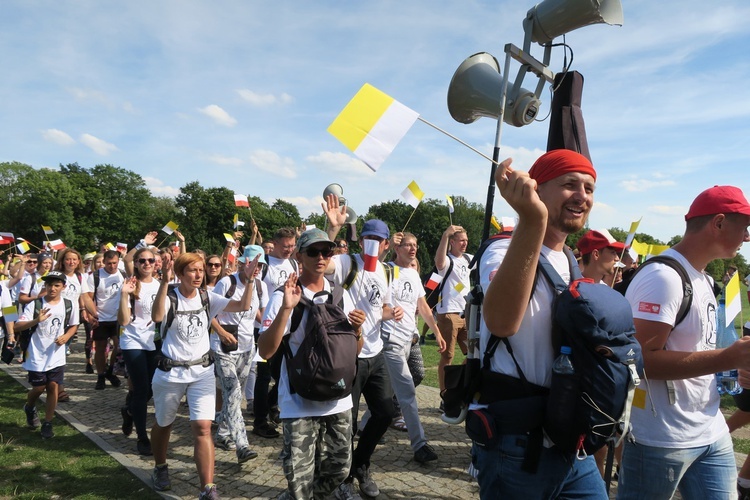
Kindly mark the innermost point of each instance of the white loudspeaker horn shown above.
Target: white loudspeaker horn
(333, 189)
(552, 18)
(351, 216)
(476, 89)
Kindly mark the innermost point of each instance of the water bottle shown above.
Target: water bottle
(563, 399)
(726, 381)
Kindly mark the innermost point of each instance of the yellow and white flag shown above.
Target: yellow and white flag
(170, 228)
(372, 124)
(733, 300)
(450, 203)
(631, 233)
(47, 230)
(412, 194)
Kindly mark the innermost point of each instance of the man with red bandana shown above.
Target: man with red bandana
(552, 201)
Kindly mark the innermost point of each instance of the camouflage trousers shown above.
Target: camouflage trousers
(231, 371)
(317, 454)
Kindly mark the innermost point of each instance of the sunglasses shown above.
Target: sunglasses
(314, 252)
(31, 262)
(143, 261)
(343, 245)
(214, 264)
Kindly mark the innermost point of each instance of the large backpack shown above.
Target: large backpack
(325, 365)
(24, 337)
(596, 322)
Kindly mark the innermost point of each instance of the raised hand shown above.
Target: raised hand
(335, 212)
(292, 293)
(128, 286)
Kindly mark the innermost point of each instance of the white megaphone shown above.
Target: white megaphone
(334, 189)
(551, 18)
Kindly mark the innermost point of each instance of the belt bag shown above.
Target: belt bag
(165, 364)
(234, 330)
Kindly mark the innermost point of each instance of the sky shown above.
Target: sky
(239, 93)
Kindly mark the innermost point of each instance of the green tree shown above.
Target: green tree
(207, 213)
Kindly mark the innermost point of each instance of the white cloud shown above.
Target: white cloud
(273, 163)
(640, 185)
(340, 163)
(97, 145)
(218, 115)
(84, 95)
(225, 160)
(306, 206)
(58, 137)
(158, 188)
(257, 99)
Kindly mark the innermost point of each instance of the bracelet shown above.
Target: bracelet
(141, 244)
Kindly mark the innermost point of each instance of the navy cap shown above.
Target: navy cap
(376, 227)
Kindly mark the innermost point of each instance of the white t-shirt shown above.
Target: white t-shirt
(655, 294)
(5, 301)
(139, 333)
(293, 405)
(43, 354)
(73, 288)
(31, 284)
(370, 293)
(245, 320)
(278, 271)
(406, 290)
(532, 344)
(106, 297)
(453, 299)
(187, 337)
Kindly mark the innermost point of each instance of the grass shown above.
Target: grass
(66, 466)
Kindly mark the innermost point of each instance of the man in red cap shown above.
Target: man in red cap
(681, 437)
(600, 255)
(552, 201)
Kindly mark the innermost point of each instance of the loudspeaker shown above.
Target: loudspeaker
(476, 89)
(351, 216)
(552, 18)
(333, 189)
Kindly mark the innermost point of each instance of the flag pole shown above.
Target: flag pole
(409, 219)
(163, 240)
(459, 140)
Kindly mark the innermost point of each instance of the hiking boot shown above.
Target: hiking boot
(425, 454)
(265, 430)
(32, 417)
(345, 491)
(245, 454)
(100, 381)
(225, 443)
(89, 368)
(160, 477)
(210, 493)
(113, 379)
(367, 484)
(46, 431)
(144, 447)
(127, 421)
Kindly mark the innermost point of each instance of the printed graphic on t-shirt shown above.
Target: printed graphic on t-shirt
(649, 307)
(113, 289)
(52, 328)
(710, 329)
(148, 304)
(406, 294)
(191, 327)
(373, 293)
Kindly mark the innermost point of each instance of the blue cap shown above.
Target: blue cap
(251, 251)
(375, 227)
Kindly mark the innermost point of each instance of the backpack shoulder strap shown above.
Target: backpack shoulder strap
(171, 310)
(388, 269)
(299, 309)
(353, 271)
(687, 286)
(441, 285)
(80, 278)
(37, 308)
(68, 311)
(232, 286)
(294, 264)
(97, 279)
(549, 272)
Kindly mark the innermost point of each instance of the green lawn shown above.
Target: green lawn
(66, 466)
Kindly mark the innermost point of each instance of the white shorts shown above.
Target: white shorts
(201, 396)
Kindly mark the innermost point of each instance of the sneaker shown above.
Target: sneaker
(100, 381)
(425, 454)
(32, 417)
(265, 430)
(144, 447)
(421, 340)
(367, 485)
(113, 379)
(89, 368)
(245, 454)
(431, 336)
(210, 493)
(47, 431)
(160, 477)
(225, 443)
(345, 491)
(127, 421)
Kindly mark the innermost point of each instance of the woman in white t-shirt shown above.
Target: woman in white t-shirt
(137, 297)
(70, 264)
(185, 367)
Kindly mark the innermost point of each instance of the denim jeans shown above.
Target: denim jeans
(396, 355)
(701, 473)
(558, 475)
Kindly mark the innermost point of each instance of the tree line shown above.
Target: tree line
(89, 206)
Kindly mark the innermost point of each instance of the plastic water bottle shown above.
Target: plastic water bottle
(726, 381)
(563, 365)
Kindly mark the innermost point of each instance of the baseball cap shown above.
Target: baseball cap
(89, 256)
(313, 236)
(376, 227)
(251, 251)
(597, 240)
(719, 200)
(54, 275)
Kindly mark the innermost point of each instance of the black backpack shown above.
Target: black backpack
(325, 365)
(435, 296)
(24, 337)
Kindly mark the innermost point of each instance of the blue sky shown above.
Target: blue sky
(240, 93)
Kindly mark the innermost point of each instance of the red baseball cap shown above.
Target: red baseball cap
(719, 200)
(597, 240)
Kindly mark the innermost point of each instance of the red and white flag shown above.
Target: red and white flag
(241, 200)
(57, 244)
(372, 248)
(433, 282)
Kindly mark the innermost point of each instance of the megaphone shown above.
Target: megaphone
(335, 189)
(552, 18)
(476, 90)
(351, 224)
(351, 216)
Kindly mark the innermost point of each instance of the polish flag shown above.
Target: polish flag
(372, 248)
(433, 282)
(240, 200)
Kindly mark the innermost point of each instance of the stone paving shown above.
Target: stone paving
(97, 415)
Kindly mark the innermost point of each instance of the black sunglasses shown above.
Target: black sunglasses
(143, 261)
(214, 264)
(31, 262)
(314, 252)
